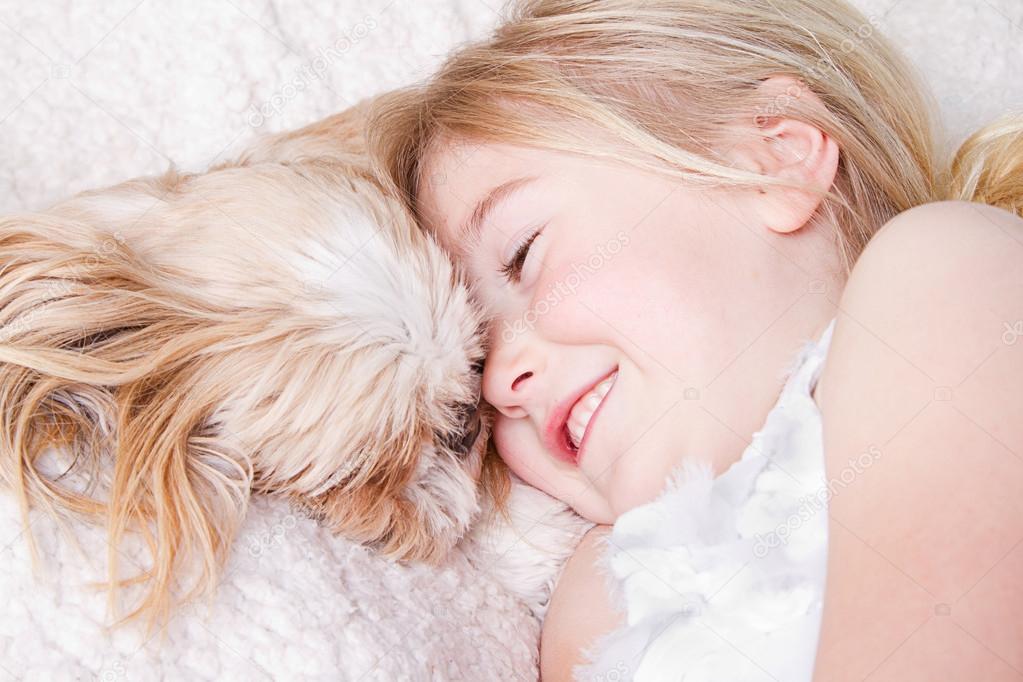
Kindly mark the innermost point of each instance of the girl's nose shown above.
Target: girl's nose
(522, 377)
(511, 374)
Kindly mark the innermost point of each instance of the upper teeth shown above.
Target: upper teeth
(584, 408)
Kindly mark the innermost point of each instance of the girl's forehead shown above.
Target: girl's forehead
(455, 173)
(454, 178)
(471, 158)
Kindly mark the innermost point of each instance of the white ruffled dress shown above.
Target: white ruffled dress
(722, 578)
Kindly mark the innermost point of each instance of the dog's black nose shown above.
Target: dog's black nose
(471, 422)
(472, 431)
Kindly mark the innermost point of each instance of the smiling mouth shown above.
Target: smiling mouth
(580, 418)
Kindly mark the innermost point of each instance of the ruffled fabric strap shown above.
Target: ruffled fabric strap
(722, 578)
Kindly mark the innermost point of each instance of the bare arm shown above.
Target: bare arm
(580, 611)
(922, 408)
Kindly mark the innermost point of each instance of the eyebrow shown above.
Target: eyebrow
(472, 230)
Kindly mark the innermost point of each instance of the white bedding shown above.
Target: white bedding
(296, 603)
(95, 91)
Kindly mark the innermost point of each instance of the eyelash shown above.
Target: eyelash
(512, 270)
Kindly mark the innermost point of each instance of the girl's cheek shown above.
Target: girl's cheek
(528, 461)
(513, 450)
(571, 305)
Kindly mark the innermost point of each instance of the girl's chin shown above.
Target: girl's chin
(627, 497)
(594, 507)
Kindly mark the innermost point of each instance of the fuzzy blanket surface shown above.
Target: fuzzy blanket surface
(296, 603)
(95, 91)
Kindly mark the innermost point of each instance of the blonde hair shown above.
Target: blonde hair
(661, 82)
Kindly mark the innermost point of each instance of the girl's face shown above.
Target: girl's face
(636, 323)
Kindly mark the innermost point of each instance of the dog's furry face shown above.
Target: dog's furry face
(277, 324)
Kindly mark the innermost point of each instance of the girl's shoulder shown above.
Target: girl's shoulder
(924, 372)
(929, 245)
(581, 611)
(936, 289)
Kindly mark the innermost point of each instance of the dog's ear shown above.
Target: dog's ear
(177, 478)
(100, 361)
(50, 394)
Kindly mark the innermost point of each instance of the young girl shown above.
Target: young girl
(673, 212)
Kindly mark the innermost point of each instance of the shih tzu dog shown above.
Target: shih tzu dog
(277, 324)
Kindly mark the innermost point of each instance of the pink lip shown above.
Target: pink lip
(556, 431)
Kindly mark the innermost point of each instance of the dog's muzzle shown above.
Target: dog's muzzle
(472, 432)
(470, 418)
(462, 441)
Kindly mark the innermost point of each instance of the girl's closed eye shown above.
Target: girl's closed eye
(512, 269)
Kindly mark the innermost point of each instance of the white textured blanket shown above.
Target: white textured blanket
(296, 603)
(96, 91)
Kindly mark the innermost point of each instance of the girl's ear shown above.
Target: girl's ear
(790, 150)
